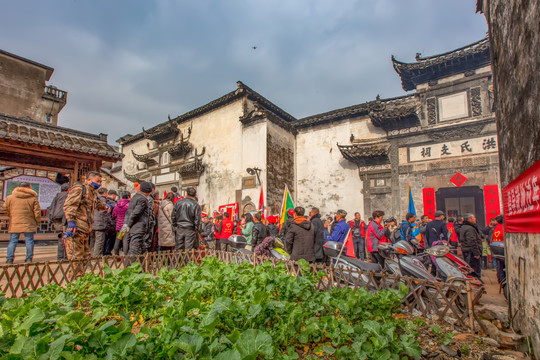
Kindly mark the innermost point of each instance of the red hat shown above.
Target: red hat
(271, 219)
(290, 212)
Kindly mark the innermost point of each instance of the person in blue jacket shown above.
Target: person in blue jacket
(341, 229)
(406, 227)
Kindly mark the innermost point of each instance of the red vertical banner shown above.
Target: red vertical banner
(491, 201)
(429, 202)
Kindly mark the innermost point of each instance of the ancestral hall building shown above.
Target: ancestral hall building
(441, 139)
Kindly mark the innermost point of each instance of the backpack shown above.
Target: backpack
(403, 234)
(55, 212)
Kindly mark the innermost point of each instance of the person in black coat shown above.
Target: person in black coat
(318, 229)
(436, 230)
(286, 224)
(273, 229)
(186, 218)
(471, 243)
(259, 232)
(300, 237)
(138, 217)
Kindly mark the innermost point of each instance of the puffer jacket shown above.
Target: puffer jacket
(22, 207)
(300, 239)
(165, 233)
(138, 215)
(119, 212)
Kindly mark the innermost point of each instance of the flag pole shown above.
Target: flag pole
(343, 247)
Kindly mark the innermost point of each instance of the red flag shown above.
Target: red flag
(350, 246)
(261, 199)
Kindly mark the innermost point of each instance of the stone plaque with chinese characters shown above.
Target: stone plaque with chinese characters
(475, 146)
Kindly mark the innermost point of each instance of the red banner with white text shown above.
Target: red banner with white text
(491, 201)
(429, 202)
(521, 202)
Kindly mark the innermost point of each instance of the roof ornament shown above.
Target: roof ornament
(418, 56)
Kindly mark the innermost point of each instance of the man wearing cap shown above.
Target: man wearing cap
(186, 218)
(342, 228)
(436, 230)
(138, 217)
(81, 201)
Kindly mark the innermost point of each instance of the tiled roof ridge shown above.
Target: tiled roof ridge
(240, 91)
(45, 126)
(350, 110)
(476, 46)
(267, 103)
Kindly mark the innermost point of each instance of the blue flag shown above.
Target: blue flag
(411, 209)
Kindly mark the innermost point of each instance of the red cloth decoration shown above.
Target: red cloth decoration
(491, 201)
(521, 199)
(429, 202)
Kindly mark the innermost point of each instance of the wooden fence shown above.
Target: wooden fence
(453, 303)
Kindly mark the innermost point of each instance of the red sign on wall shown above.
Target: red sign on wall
(521, 202)
(429, 202)
(458, 179)
(491, 201)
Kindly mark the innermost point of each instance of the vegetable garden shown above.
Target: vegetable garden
(211, 310)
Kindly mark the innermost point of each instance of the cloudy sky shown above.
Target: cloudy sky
(128, 64)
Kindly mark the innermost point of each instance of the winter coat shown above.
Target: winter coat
(436, 230)
(80, 205)
(22, 207)
(470, 238)
(284, 227)
(187, 214)
(258, 234)
(374, 236)
(340, 232)
(102, 220)
(247, 232)
(358, 229)
(119, 212)
(273, 230)
(300, 240)
(318, 231)
(138, 215)
(165, 234)
(208, 231)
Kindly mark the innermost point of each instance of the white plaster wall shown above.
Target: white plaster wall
(254, 155)
(324, 178)
(230, 150)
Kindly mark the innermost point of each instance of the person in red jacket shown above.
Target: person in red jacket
(225, 228)
(375, 235)
(358, 230)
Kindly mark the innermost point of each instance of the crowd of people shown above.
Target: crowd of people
(96, 221)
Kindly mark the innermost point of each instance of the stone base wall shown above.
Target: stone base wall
(515, 40)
